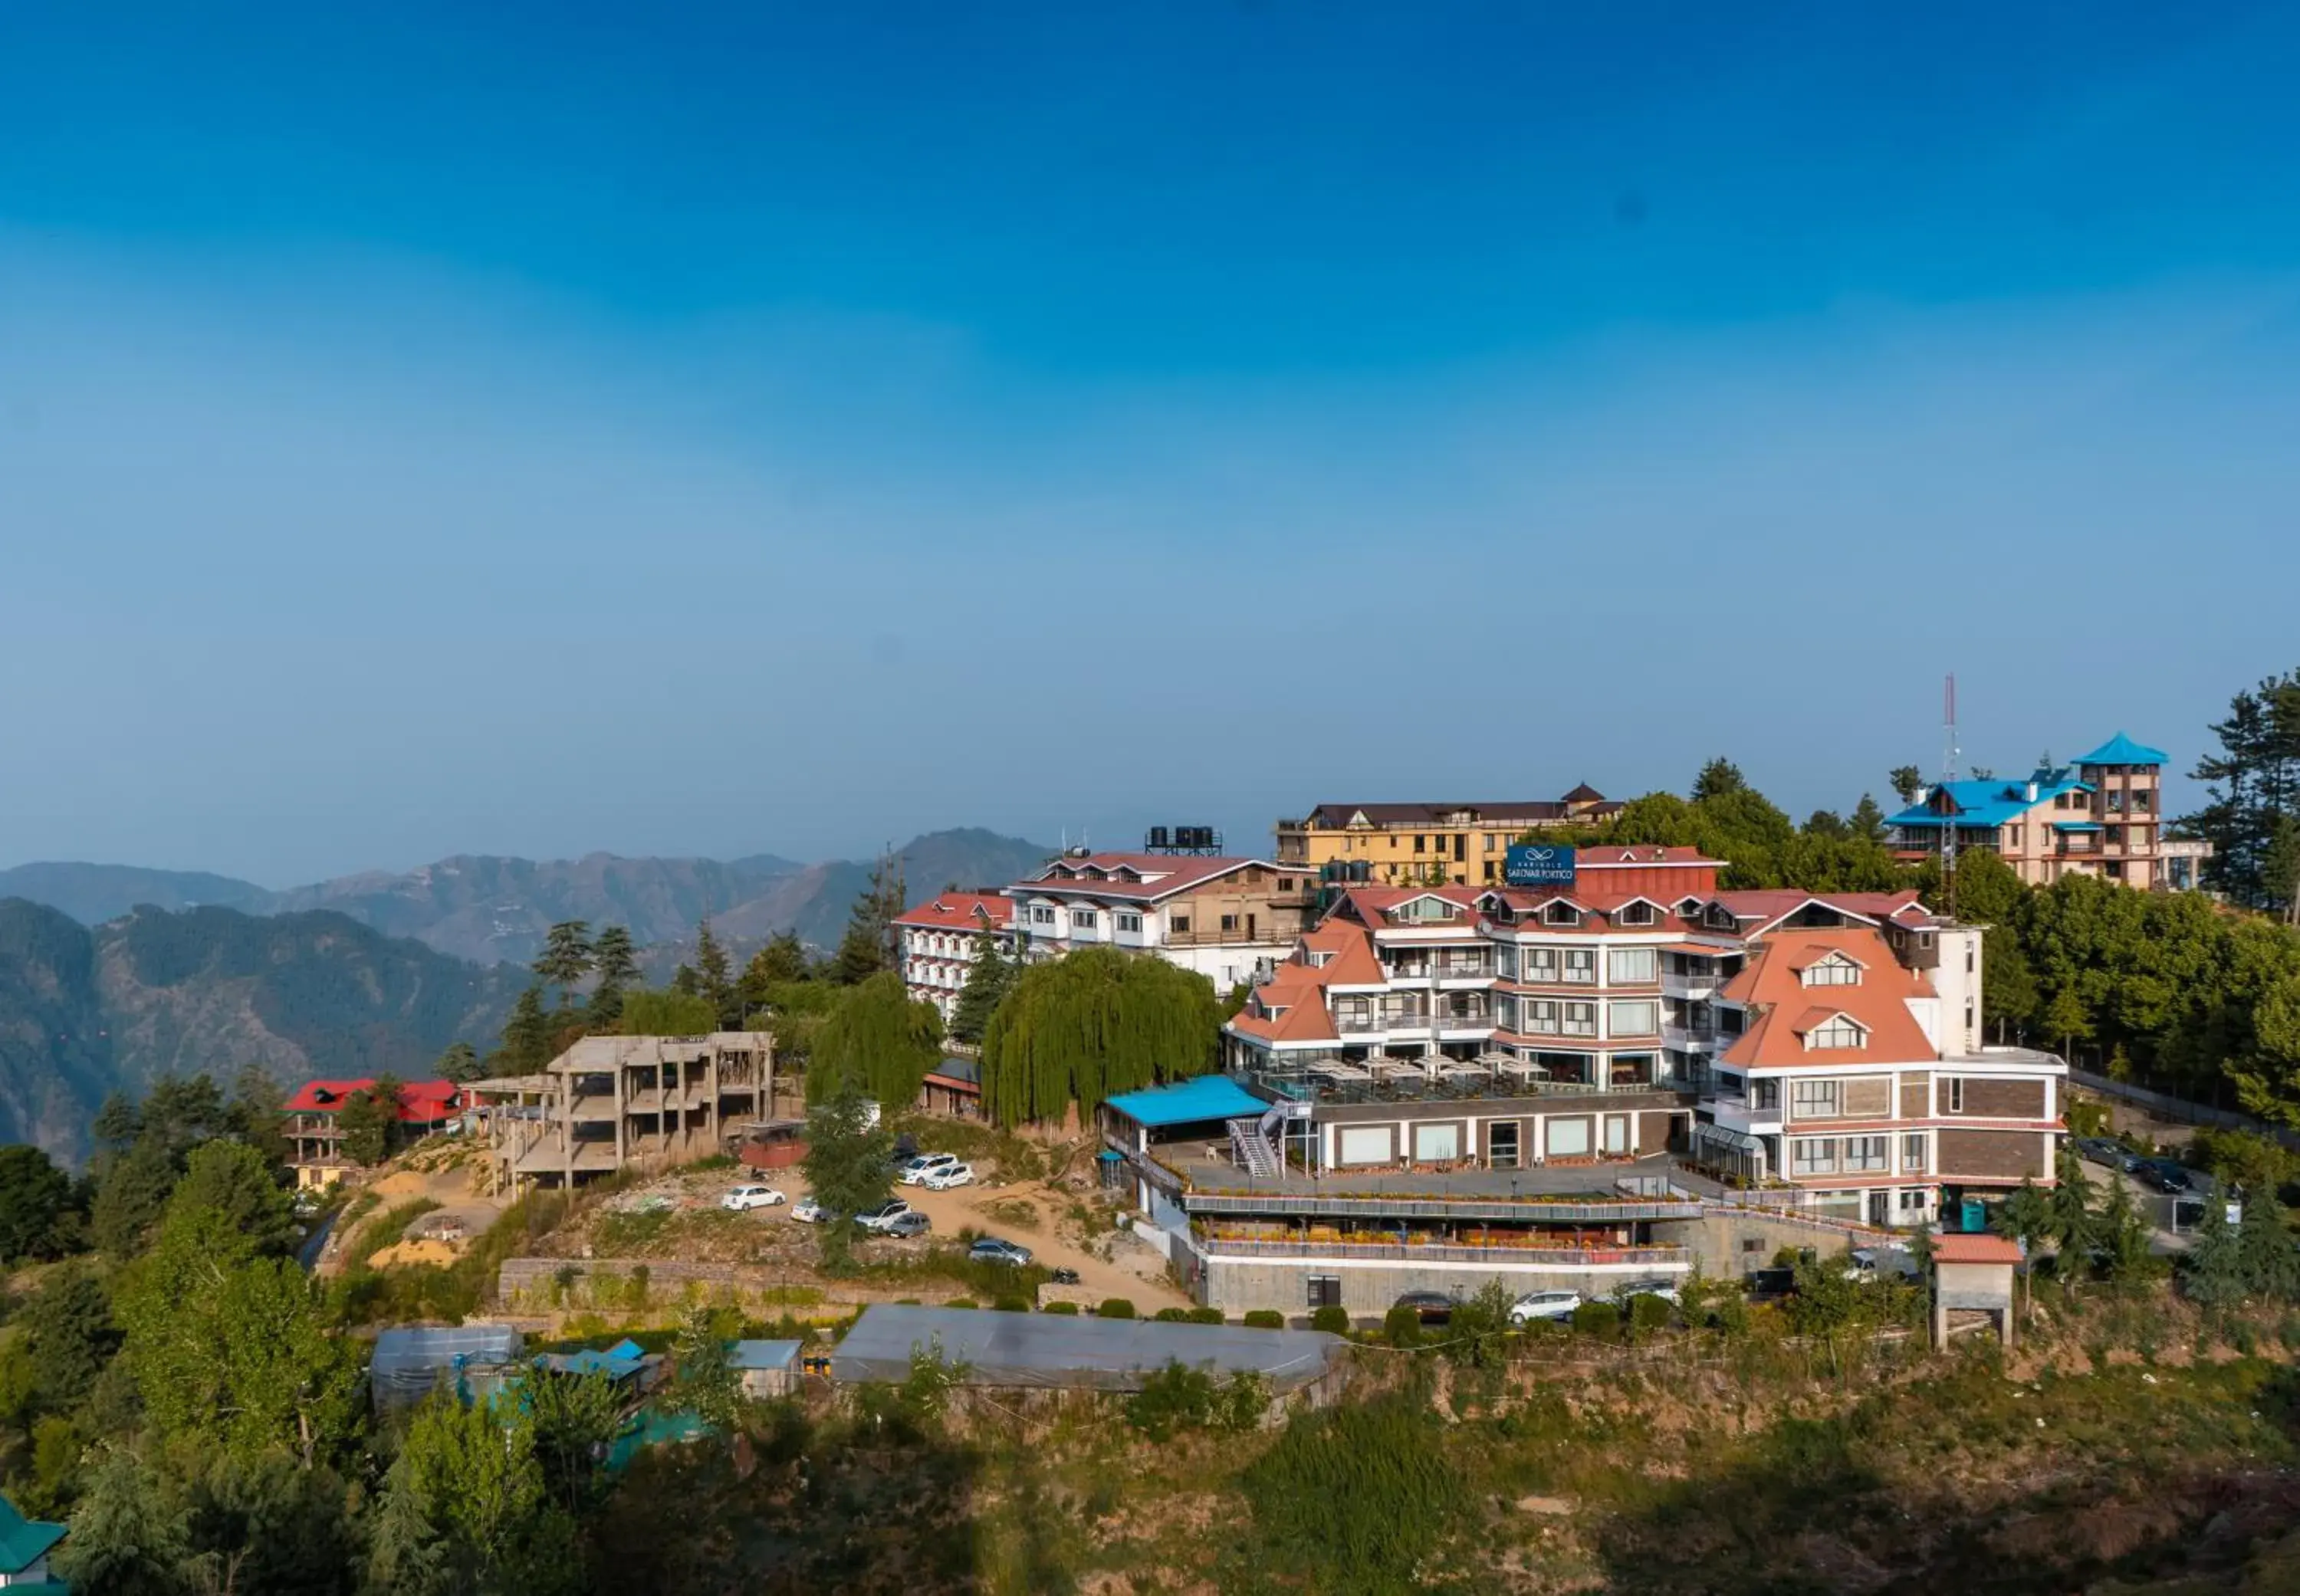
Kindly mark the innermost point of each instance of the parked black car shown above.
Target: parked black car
(1431, 1307)
(2161, 1175)
(2103, 1150)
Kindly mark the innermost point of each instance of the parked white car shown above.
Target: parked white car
(808, 1211)
(1544, 1305)
(743, 1198)
(876, 1219)
(916, 1172)
(1663, 1289)
(949, 1176)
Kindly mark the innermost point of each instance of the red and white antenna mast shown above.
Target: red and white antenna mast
(1949, 755)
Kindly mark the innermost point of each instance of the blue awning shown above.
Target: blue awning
(1187, 1102)
(2076, 826)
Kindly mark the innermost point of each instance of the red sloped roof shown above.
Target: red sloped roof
(420, 1103)
(1783, 1008)
(959, 911)
(1959, 1249)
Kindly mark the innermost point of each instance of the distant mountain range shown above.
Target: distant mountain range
(111, 975)
(490, 909)
(85, 1010)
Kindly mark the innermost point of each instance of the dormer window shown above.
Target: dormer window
(1639, 913)
(1835, 970)
(1721, 916)
(1559, 912)
(1319, 960)
(1837, 1032)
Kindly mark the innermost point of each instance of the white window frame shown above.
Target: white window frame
(1578, 967)
(1583, 1023)
(1812, 1155)
(1615, 1026)
(1914, 1160)
(1622, 965)
(1128, 919)
(1835, 970)
(1868, 1155)
(1839, 1033)
(1541, 964)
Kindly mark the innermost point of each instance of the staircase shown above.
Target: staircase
(1254, 1154)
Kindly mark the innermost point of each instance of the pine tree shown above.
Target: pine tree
(988, 979)
(849, 1167)
(615, 959)
(566, 958)
(1867, 821)
(1718, 777)
(714, 978)
(2073, 1225)
(458, 1063)
(782, 963)
(2123, 1236)
(867, 945)
(2211, 1271)
(527, 1034)
(2264, 1246)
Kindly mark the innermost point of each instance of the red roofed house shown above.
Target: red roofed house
(1225, 917)
(313, 1114)
(938, 942)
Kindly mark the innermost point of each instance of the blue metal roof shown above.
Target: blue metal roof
(1186, 1102)
(1992, 803)
(763, 1354)
(2122, 749)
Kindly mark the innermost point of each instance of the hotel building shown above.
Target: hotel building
(937, 944)
(1454, 844)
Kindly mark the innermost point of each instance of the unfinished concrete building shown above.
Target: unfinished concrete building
(617, 1102)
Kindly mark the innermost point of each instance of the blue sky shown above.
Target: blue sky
(536, 429)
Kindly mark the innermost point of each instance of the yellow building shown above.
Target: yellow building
(1462, 844)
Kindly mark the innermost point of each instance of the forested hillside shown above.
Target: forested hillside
(213, 990)
(93, 894)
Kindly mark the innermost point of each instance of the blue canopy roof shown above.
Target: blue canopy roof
(1208, 1097)
(2122, 749)
(619, 1362)
(2076, 826)
(24, 1540)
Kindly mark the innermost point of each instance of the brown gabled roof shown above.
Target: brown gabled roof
(1585, 793)
(1783, 1010)
(1336, 815)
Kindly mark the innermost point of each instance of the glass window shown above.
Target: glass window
(1867, 1154)
(1541, 964)
(1839, 1033)
(1833, 971)
(1581, 966)
(1813, 1155)
(1633, 1019)
(1128, 922)
(1956, 1095)
(1632, 966)
(1580, 1019)
(1639, 913)
(1325, 1291)
(1815, 1099)
(1559, 912)
(1913, 1154)
(1180, 923)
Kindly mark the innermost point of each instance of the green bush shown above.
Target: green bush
(1171, 1316)
(1332, 1318)
(1069, 1308)
(962, 1303)
(1265, 1318)
(1204, 1316)
(1115, 1307)
(1647, 1314)
(1356, 1497)
(1011, 1305)
(1401, 1326)
(1178, 1396)
(1596, 1318)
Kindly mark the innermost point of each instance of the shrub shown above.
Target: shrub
(1332, 1318)
(962, 1303)
(1011, 1305)
(1174, 1398)
(1069, 1308)
(1401, 1326)
(1265, 1318)
(1310, 1495)
(1647, 1314)
(1203, 1316)
(1596, 1318)
(1115, 1307)
(1171, 1316)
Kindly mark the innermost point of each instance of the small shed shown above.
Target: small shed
(766, 1368)
(408, 1364)
(626, 1364)
(1973, 1273)
(25, 1544)
(1062, 1352)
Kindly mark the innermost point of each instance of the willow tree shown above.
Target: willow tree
(877, 1038)
(1078, 1030)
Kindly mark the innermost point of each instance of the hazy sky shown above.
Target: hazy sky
(536, 429)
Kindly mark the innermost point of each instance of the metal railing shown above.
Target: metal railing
(1523, 1257)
